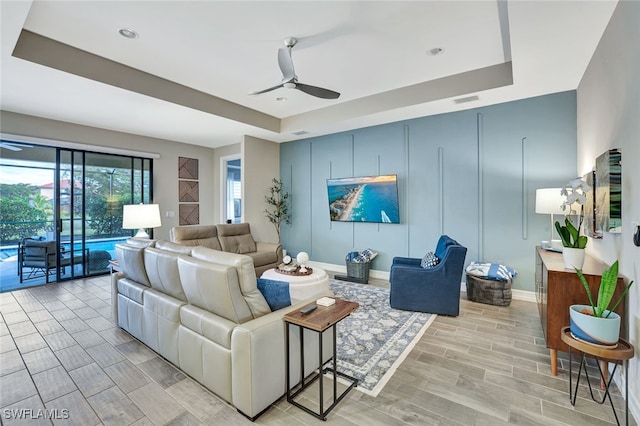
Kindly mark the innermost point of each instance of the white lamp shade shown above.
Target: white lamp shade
(549, 201)
(136, 216)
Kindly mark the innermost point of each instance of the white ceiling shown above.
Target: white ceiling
(373, 53)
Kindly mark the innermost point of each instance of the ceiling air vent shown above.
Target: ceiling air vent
(465, 100)
(300, 133)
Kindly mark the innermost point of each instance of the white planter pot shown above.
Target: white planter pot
(597, 331)
(573, 257)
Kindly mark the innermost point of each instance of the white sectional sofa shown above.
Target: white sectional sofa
(201, 309)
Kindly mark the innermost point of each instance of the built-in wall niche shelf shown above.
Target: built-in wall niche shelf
(603, 209)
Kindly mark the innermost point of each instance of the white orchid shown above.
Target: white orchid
(575, 193)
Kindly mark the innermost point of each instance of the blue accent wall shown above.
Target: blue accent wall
(470, 174)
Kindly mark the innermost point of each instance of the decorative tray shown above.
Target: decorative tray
(292, 270)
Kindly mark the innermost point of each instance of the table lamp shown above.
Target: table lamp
(549, 201)
(141, 216)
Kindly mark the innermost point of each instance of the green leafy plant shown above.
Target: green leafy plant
(278, 201)
(570, 235)
(608, 285)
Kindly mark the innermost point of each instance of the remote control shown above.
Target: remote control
(308, 309)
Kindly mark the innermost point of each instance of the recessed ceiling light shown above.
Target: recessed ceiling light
(125, 32)
(281, 99)
(435, 51)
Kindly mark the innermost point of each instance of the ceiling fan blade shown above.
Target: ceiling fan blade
(286, 64)
(318, 92)
(10, 147)
(266, 90)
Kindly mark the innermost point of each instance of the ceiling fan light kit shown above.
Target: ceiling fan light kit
(289, 77)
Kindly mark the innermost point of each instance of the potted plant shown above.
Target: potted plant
(573, 243)
(596, 323)
(278, 201)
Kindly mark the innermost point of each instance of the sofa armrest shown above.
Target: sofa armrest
(258, 362)
(114, 295)
(406, 261)
(270, 247)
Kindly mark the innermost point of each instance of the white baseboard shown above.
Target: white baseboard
(373, 273)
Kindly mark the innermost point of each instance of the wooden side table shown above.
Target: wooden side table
(621, 354)
(319, 320)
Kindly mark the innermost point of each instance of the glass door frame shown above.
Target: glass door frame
(224, 187)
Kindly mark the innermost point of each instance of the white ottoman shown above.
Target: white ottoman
(301, 287)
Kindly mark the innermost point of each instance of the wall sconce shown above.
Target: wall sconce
(141, 216)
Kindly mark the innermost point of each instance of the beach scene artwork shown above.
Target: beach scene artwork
(364, 199)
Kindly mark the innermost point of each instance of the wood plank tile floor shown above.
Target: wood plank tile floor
(61, 355)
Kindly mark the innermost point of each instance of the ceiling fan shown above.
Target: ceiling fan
(14, 146)
(289, 77)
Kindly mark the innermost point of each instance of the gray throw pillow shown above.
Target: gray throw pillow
(429, 260)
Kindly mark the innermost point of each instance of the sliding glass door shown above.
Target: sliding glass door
(92, 188)
(67, 203)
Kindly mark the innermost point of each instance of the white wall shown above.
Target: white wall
(608, 106)
(260, 164)
(165, 169)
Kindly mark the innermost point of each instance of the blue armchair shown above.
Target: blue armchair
(435, 290)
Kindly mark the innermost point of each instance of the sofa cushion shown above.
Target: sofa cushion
(201, 235)
(173, 247)
(141, 242)
(206, 324)
(276, 293)
(429, 260)
(131, 262)
(162, 270)
(246, 276)
(161, 304)
(443, 243)
(131, 289)
(214, 288)
(236, 238)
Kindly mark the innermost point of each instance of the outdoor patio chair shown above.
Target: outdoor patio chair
(37, 257)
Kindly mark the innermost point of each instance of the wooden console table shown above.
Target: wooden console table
(558, 288)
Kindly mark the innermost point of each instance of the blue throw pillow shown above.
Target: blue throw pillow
(276, 293)
(429, 260)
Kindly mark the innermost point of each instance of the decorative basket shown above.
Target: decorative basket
(358, 269)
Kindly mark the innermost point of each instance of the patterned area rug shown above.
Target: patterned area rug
(374, 340)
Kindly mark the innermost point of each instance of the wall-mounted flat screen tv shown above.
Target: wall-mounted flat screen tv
(364, 199)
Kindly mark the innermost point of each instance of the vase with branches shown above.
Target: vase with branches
(277, 210)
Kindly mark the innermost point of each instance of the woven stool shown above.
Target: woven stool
(491, 292)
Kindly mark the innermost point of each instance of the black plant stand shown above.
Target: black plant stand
(618, 355)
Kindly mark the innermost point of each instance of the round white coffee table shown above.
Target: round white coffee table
(304, 286)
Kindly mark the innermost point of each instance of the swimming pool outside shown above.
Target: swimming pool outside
(106, 244)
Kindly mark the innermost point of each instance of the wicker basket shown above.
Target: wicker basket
(487, 291)
(358, 269)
